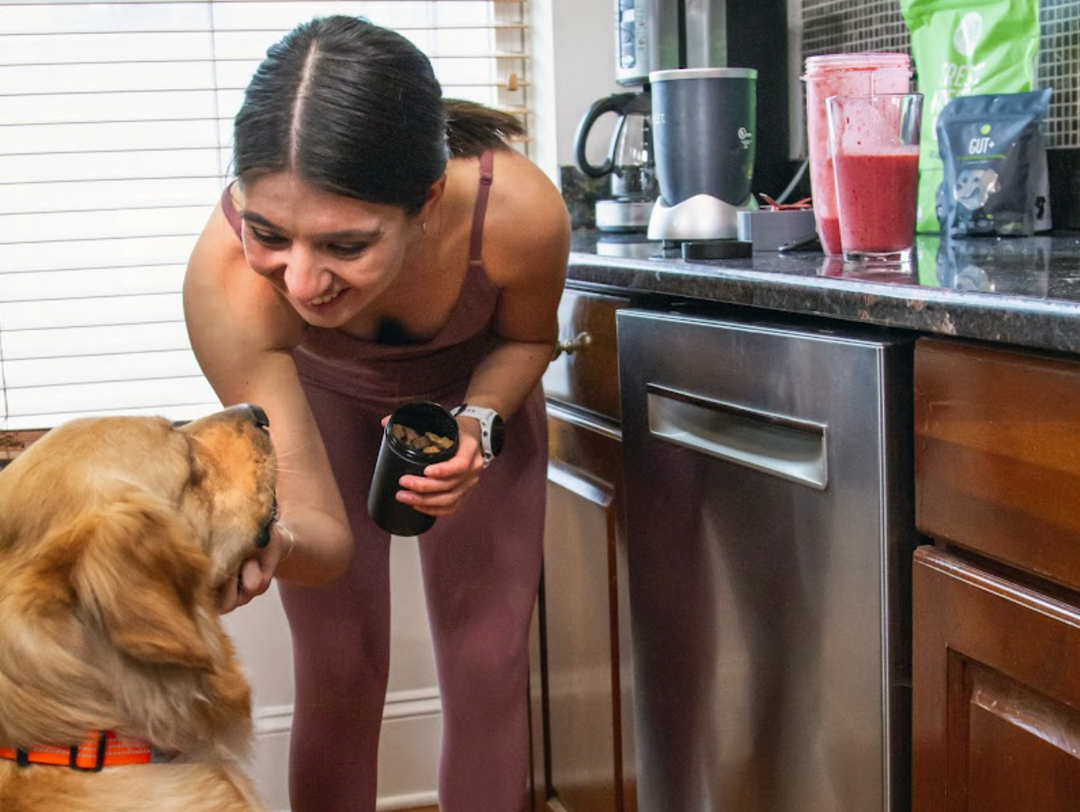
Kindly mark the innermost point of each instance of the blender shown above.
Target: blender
(704, 126)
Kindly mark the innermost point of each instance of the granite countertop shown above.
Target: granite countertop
(1023, 291)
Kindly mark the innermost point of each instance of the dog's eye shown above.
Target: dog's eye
(196, 467)
(263, 537)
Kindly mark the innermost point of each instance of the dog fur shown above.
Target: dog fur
(115, 535)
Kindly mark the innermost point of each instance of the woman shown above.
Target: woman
(382, 246)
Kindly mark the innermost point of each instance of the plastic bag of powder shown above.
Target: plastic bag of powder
(964, 48)
(995, 180)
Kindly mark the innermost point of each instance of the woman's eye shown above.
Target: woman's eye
(268, 239)
(347, 249)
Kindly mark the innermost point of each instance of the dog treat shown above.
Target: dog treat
(439, 440)
(427, 443)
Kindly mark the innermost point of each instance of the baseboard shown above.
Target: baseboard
(408, 751)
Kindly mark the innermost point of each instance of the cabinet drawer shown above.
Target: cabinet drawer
(585, 373)
(997, 455)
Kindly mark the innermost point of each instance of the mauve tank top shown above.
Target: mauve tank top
(383, 376)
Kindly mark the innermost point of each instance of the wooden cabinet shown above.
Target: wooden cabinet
(583, 757)
(996, 650)
(996, 692)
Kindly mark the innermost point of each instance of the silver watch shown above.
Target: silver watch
(492, 429)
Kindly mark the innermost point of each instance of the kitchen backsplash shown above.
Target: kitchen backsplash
(581, 193)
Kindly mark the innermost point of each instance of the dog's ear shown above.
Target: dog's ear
(141, 577)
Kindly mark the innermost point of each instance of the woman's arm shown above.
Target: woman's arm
(242, 333)
(526, 246)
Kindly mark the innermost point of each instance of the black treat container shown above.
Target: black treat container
(396, 460)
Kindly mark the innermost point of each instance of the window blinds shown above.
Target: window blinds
(115, 139)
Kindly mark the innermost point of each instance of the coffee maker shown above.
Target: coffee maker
(653, 35)
(649, 35)
(629, 161)
(695, 176)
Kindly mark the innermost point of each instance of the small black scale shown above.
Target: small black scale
(707, 249)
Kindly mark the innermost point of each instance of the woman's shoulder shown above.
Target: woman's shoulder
(526, 213)
(527, 216)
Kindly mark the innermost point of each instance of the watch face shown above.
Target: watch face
(498, 435)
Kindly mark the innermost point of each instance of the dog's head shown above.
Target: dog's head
(115, 534)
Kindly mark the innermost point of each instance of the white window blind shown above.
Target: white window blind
(115, 143)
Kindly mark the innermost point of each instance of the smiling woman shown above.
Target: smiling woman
(115, 140)
(365, 199)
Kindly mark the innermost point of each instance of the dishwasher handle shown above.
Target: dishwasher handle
(785, 447)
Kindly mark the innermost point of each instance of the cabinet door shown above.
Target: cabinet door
(996, 693)
(997, 458)
(586, 740)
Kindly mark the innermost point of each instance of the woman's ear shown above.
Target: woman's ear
(434, 197)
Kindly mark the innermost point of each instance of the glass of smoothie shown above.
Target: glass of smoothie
(875, 150)
(857, 74)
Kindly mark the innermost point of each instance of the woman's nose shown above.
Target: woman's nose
(303, 278)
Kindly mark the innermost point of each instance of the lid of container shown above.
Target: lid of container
(702, 73)
(870, 60)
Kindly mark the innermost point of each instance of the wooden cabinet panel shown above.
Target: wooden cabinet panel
(996, 693)
(997, 458)
(585, 372)
(584, 737)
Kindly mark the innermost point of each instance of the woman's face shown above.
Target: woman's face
(330, 256)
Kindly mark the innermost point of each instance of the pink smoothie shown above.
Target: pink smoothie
(877, 196)
(828, 229)
(841, 75)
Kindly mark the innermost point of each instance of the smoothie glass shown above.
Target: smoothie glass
(857, 74)
(875, 150)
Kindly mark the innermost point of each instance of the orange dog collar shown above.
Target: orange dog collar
(100, 749)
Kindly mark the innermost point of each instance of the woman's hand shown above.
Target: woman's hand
(256, 572)
(444, 485)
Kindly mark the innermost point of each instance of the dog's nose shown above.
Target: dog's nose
(249, 411)
(259, 416)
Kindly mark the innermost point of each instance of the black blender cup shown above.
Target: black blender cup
(399, 455)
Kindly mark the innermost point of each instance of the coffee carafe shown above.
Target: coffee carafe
(629, 161)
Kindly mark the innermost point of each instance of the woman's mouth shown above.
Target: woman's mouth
(322, 301)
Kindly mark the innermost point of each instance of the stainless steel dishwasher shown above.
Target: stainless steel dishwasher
(770, 529)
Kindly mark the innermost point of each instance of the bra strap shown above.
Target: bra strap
(228, 208)
(476, 239)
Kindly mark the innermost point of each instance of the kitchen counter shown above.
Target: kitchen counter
(1020, 291)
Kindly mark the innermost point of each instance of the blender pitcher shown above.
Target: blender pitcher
(860, 74)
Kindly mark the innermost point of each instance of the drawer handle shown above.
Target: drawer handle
(795, 450)
(569, 346)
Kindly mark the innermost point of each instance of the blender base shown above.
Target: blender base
(701, 217)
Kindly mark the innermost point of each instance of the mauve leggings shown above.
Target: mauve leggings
(481, 568)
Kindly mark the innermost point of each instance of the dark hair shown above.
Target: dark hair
(355, 109)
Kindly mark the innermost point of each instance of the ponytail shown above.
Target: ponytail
(472, 128)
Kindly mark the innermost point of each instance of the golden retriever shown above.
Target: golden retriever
(115, 535)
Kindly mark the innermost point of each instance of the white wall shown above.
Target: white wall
(573, 50)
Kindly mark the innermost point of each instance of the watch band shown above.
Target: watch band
(491, 429)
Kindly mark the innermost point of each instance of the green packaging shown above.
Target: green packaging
(964, 48)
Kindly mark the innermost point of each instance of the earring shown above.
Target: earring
(423, 227)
